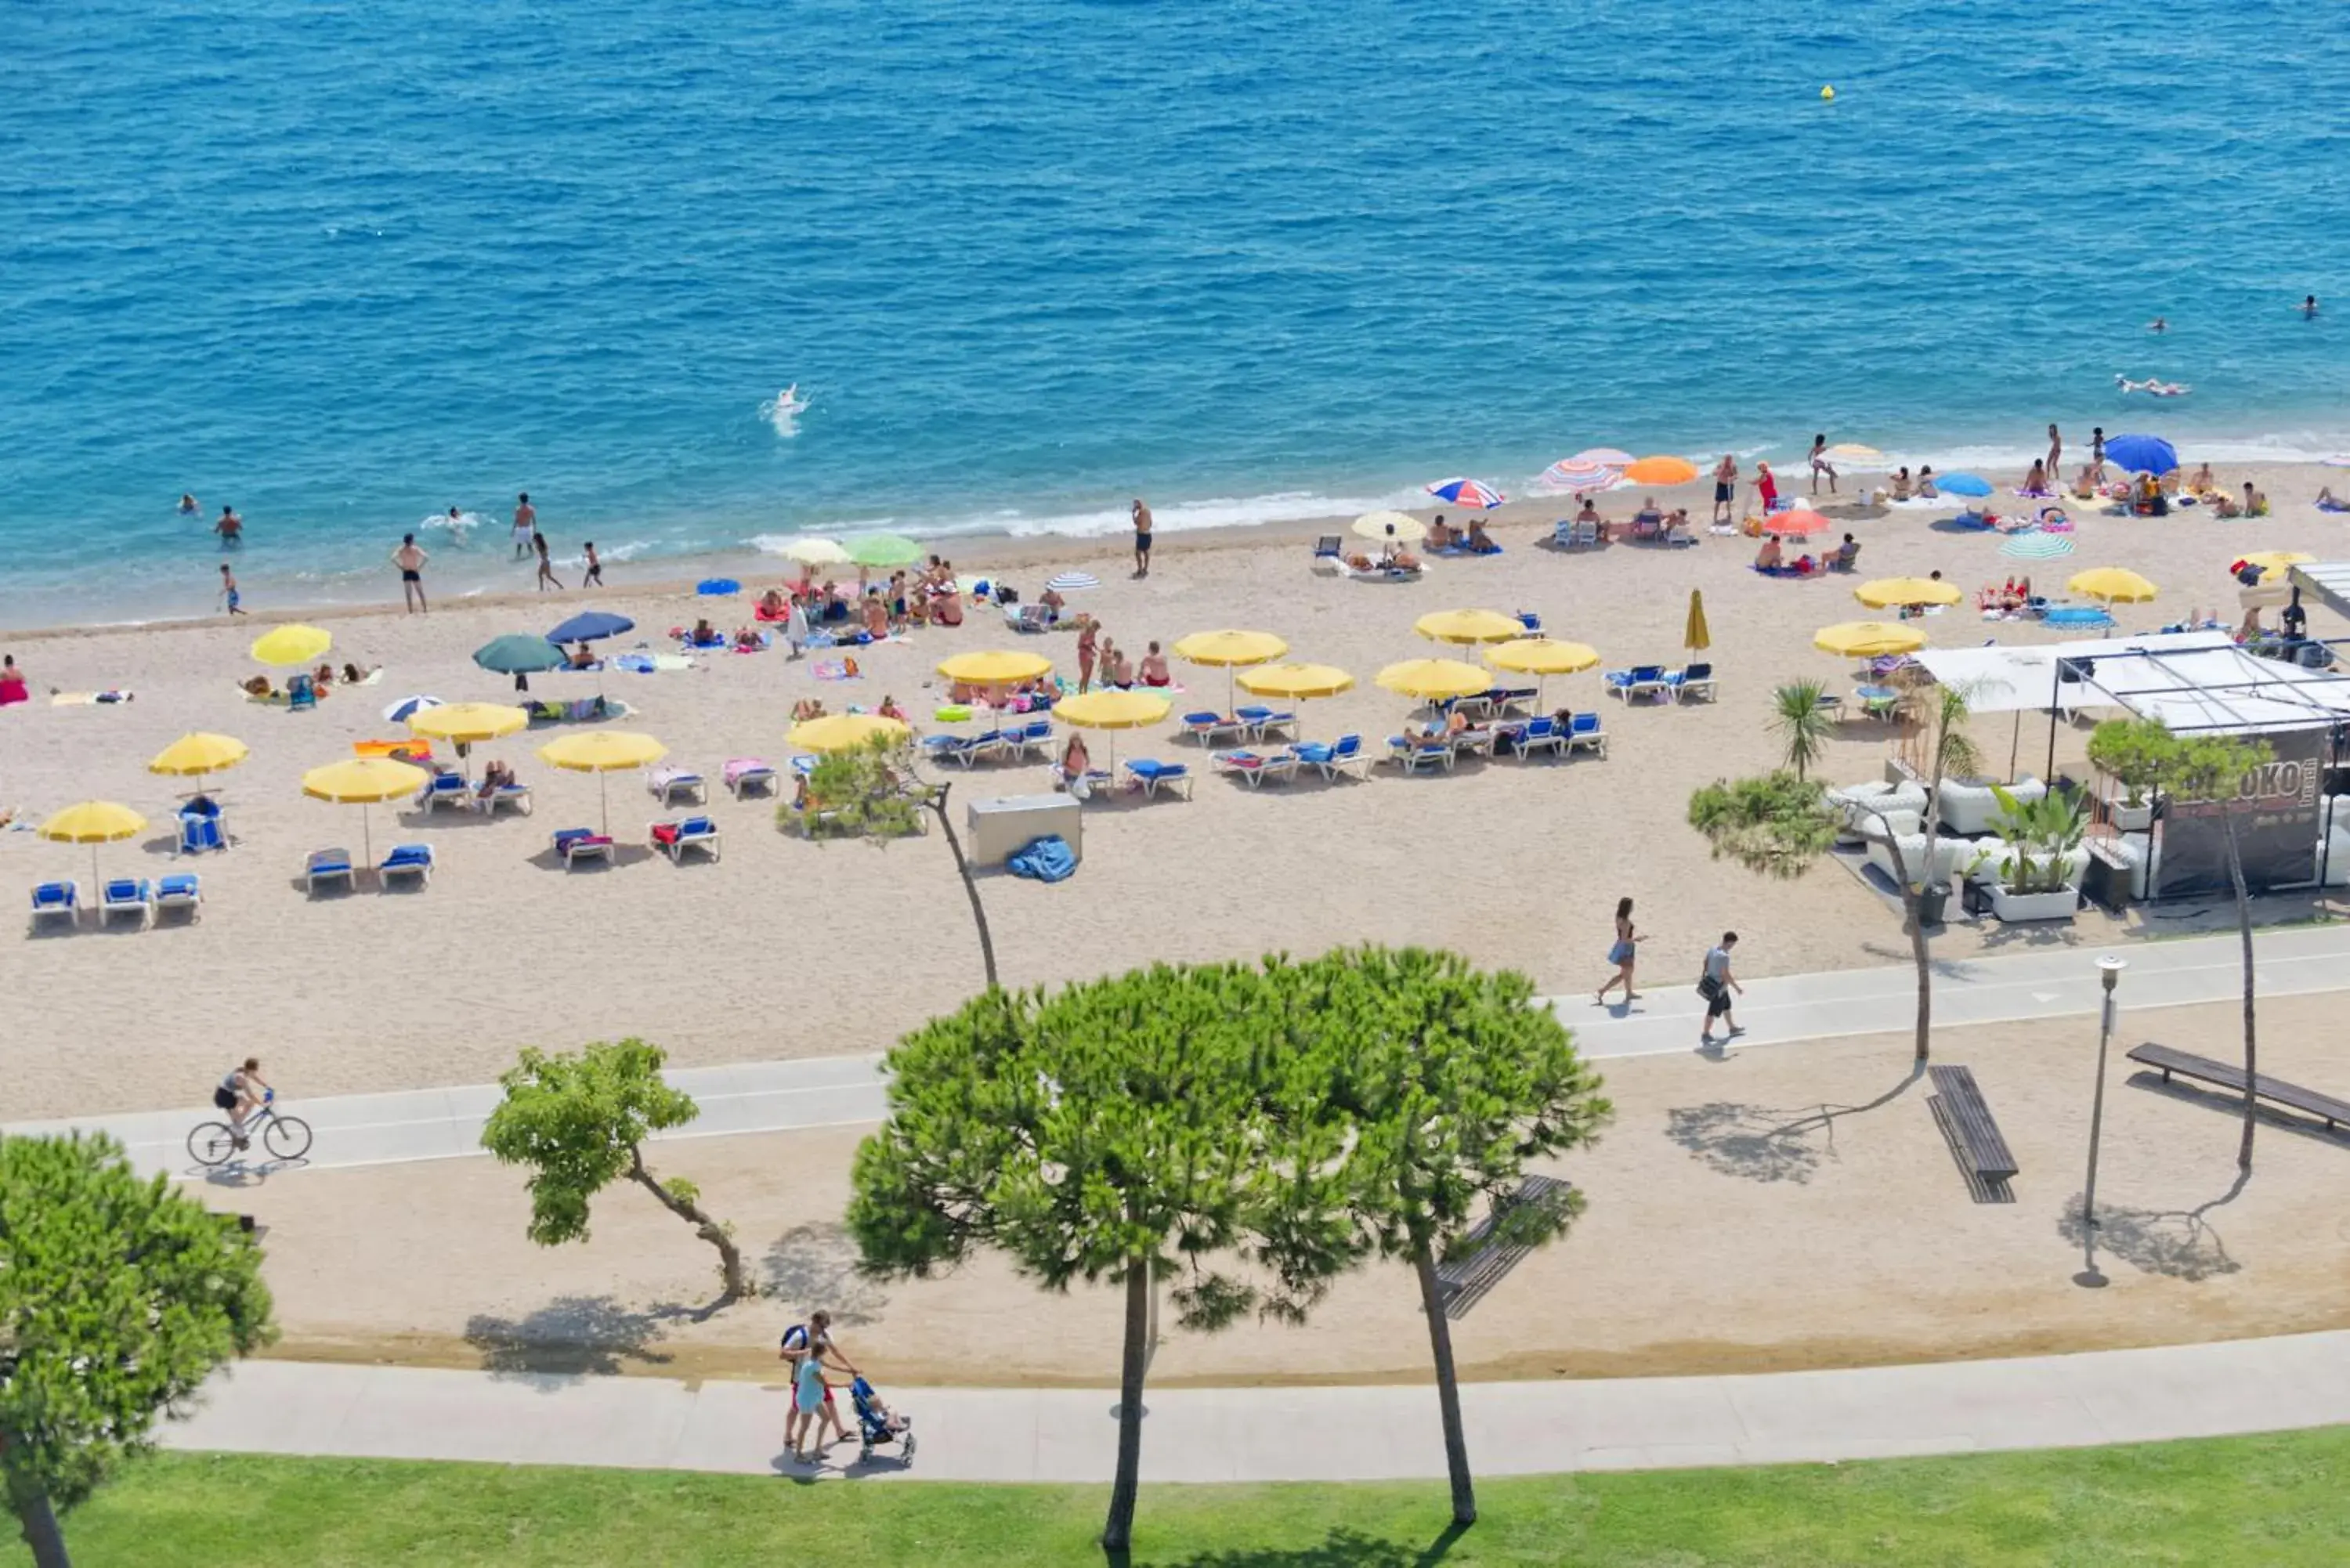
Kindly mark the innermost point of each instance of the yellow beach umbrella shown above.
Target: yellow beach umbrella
(291, 645)
(1469, 626)
(996, 667)
(466, 723)
(2112, 585)
(1867, 638)
(2274, 561)
(363, 781)
(1885, 593)
(1112, 711)
(92, 822)
(601, 751)
(1660, 471)
(1435, 680)
(1230, 650)
(814, 552)
(193, 755)
(1296, 683)
(1695, 634)
(1542, 658)
(846, 731)
(1401, 526)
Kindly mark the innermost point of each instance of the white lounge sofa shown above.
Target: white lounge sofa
(1949, 855)
(1904, 805)
(1969, 807)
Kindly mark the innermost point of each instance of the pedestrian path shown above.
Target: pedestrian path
(1306, 1434)
(834, 1091)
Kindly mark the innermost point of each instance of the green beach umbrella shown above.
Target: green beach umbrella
(519, 653)
(884, 550)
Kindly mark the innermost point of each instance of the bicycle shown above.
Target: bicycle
(213, 1144)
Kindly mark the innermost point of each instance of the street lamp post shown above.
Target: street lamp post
(2109, 973)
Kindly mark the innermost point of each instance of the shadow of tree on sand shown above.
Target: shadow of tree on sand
(1760, 1143)
(2179, 1243)
(1342, 1548)
(815, 1265)
(570, 1337)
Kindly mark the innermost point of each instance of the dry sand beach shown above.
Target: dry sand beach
(788, 948)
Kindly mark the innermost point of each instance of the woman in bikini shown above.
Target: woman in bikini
(1623, 954)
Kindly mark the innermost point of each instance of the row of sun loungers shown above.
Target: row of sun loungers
(1582, 732)
(1659, 684)
(60, 902)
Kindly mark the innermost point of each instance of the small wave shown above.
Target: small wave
(782, 410)
(457, 527)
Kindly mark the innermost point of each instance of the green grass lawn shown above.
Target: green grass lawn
(2266, 1501)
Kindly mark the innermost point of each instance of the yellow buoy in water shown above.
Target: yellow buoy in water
(1827, 94)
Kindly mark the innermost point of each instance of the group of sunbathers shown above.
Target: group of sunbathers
(1442, 536)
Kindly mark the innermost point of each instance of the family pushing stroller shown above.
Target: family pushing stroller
(806, 1348)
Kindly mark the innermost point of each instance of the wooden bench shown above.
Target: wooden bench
(1473, 1268)
(2335, 1113)
(1958, 1104)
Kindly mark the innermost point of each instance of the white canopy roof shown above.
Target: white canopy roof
(2329, 580)
(2005, 677)
(2189, 680)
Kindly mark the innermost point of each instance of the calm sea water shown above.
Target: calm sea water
(344, 265)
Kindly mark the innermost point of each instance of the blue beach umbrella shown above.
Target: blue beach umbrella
(1963, 484)
(2142, 455)
(2035, 546)
(590, 625)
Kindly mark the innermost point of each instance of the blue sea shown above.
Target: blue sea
(345, 266)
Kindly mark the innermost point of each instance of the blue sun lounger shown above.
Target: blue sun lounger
(408, 860)
(1261, 722)
(55, 899)
(180, 891)
(1151, 776)
(1332, 758)
(1205, 727)
(326, 865)
(127, 895)
(674, 838)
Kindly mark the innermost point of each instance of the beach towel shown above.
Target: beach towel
(1047, 859)
(1465, 550)
(835, 669)
(88, 699)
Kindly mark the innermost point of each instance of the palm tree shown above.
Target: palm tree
(1800, 718)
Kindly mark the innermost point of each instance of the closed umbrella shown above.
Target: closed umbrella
(92, 822)
(1867, 638)
(1467, 493)
(601, 751)
(1885, 593)
(1230, 650)
(2112, 585)
(1112, 711)
(1696, 636)
(1469, 626)
(1401, 526)
(292, 645)
(2141, 454)
(1660, 471)
(363, 781)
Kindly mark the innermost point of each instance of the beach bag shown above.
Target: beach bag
(1709, 987)
(1047, 859)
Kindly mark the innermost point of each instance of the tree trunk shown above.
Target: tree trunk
(730, 1256)
(970, 887)
(39, 1524)
(1917, 952)
(1448, 1386)
(1118, 1533)
(2251, 1041)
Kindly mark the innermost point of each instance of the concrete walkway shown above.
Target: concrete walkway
(1298, 1434)
(773, 1096)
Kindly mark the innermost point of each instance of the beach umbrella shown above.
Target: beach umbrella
(1660, 471)
(519, 653)
(884, 550)
(1541, 657)
(1799, 522)
(291, 645)
(2273, 561)
(407, 708)
(1072, 582)
(2035, 546)
(1391, 525)
(1612, 457)
(846, 731)
(92, 822)
(363, 781)
(193, 755)
(996, 667)
(1230, 650)
(601, 751)
(2112, 585)
(812, 552)
(1466, 492)
(467, 723)
(1968, 484)
(717, 588)
(1112, 711)
(1853, 452)
(1884, 593)
(1576, 473)
(2141, 454)
(1468, 625)
(590, 625)
(1696, 635)
(1295, 682)
(1867, 638)
(1435, 680)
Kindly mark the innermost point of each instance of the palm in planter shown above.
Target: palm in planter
(2040, 835)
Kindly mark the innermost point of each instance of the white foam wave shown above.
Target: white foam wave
(1176, 517)
(459, 526)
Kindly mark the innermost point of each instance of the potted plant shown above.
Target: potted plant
(2035, 875)
(2133, 753)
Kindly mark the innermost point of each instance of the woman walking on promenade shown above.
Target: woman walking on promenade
(1624, 954)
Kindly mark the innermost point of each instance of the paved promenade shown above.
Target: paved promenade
(832, 1091)
(1298, 1434)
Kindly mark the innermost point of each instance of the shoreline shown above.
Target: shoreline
(2288, 483)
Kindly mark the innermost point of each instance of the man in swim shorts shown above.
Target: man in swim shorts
(411, 561)
(231, 527)
(1725, 488)
(1141, 539)
(525, 524)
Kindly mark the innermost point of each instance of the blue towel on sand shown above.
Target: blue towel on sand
(1047, 859)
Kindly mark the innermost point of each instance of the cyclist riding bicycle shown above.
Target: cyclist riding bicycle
(240, 1094)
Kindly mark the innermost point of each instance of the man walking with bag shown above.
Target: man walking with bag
(1716, 984)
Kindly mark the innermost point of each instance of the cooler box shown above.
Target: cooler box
(1001, 828)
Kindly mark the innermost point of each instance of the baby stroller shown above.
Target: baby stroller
(877, 1424)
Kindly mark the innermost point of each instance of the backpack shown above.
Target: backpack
(795, 1342)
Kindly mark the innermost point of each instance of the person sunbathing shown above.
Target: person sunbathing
(1440, 535)
(1154, 669)
(877, 617)
(1401, 559)
(807, 708)
(1650, 514)
(1053, 602)
(2036, 482)
(259, 687)
(2327, 502)
(1901, 484)
(1678, 527)
(2084, 483)
(323, 677)
(1479, 541)
(2225, 505)
(889, 710)
(2256, 502)
(705, 634)
(1770, 557)
(746, 638)
(582, 657)
(771, 605)
(2201, 482)
(1120, 669)
(1926, 490)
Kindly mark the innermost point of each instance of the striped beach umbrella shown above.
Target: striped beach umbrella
(1613, 457)
(1073, 582)
(1577, 473)
(2035, 546)
(1466, 492)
